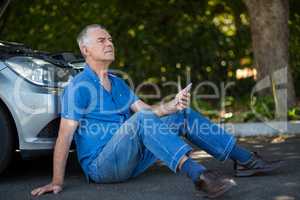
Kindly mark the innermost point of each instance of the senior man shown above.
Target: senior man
(114, 145)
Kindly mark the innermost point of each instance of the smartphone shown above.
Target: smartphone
(188, 87)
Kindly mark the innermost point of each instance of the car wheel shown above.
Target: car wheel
(6, 140)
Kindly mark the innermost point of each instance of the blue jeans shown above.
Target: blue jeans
(145, 137)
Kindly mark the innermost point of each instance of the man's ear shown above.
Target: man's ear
(84, 50)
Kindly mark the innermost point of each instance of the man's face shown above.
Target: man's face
(100, 46)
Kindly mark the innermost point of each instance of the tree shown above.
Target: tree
(270, 39)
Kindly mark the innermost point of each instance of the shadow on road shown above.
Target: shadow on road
(159, 182)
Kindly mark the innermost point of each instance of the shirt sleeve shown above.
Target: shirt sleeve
(73, 103)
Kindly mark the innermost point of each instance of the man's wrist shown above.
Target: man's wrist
(57, 182)
(168, 108)
(165, 108)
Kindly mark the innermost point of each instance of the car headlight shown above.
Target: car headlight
(40, 72)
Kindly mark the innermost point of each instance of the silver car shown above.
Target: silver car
(30, 86)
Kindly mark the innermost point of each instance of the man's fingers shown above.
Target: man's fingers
(186, 95)
(57, 189)
(46, 190)
(183, 105)
(35, 191)
(41, 190)
(184, 102)
(184, 99)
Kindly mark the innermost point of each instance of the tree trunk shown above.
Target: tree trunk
(269, 29)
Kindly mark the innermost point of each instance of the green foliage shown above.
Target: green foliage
(210, 37)
(294, 44)
(264, 107)
(294, 113)
(156, 41)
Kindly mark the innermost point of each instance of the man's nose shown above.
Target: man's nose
(109, 43)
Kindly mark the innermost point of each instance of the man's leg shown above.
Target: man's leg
(246, 162)
(202, 132)
(213, 184)
(220, 144)
(135, 146)
(145, 137)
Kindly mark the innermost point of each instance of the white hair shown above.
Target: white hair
(82, 38)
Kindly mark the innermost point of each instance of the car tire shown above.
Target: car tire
(6, 140)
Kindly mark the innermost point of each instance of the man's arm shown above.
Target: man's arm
(180, 102)
(61, 151)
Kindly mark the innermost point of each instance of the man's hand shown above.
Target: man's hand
(55, 188)
(61, 151)
(180, 102)
(182, 98)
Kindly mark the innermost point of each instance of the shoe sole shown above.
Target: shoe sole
(231, 183)
(246, 173)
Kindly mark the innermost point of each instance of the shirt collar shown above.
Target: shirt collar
(90, 73)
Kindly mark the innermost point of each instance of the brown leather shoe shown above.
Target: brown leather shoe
(257, 165)
(213, 184)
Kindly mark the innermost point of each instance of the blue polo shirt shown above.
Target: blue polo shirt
(99, 112)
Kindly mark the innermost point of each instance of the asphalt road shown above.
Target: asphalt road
(159, 183)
